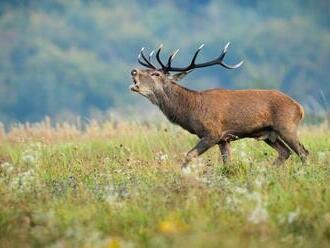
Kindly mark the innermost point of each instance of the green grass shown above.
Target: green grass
(127, 190)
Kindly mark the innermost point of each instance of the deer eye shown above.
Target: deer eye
(157, 74)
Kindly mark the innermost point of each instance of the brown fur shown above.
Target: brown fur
(219, 116)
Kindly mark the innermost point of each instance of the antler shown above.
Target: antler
(217, 61)
(192, 65)
(147, 62)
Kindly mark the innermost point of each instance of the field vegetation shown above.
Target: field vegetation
(66, 58)
(119, 184)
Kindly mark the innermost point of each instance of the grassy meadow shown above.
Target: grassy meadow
(119, 184)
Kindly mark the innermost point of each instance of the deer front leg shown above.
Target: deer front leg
(202, 146)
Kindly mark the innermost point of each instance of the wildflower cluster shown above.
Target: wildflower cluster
(25, 180)
(161, 157)
(7, 168)
(32, 153)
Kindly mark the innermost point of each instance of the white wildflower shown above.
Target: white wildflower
(255, 196)
(111, 198)
(260, 181)
(113, 194)
(243, 154)
(31, 154)
(300, 173)
(241, 190)
(322, 156)
(161, 157)
(186, 170)
(232, 202)
(292, 216)
(205, 180)
(193, 167)
(196, 163)
(24, 181)
(7, 167)
(36, 146)
(226, 181)
(262, 169)
(281, 219)
(28, 158)
(110, 194)
(258, 215)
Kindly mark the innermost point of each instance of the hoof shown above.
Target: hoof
(279, 162)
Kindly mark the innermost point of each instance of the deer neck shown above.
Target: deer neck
(177, 103)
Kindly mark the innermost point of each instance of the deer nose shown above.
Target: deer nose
(133, 72)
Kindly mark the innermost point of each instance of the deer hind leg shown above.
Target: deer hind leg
(291, 139)
(225, 151)
(202, 146)
(305, 150)
(282, 150)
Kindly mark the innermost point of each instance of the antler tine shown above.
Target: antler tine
(221, 57)
(146, 60)
(226, 47)
(141, 62)
(232, 66)
(151, 54)
(217, 61)
(139, 59)
(168, 65)
(195, 55)
(224, 51)
(189, 67)
(158, 58)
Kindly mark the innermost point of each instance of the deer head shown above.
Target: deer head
(149, 81)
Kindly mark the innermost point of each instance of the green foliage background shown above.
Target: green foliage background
(60, 57)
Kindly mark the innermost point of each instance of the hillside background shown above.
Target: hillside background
(73, 58)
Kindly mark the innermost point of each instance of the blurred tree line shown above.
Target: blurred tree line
(61, 57)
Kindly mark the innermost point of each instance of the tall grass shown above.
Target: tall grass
(119, 184)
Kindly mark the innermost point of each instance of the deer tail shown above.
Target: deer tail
(302, 112)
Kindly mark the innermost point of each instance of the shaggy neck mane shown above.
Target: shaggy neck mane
(177, 102)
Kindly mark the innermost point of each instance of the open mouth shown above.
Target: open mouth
(134, 86)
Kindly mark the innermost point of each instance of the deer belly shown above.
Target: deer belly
(248, 121)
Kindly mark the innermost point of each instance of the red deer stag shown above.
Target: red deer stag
(219, 116)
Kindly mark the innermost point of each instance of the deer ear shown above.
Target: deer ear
(180, 75)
